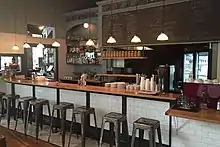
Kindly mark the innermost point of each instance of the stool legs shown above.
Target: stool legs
(17, 114)
(117, 134)
(102, 132)
(71, 128)
(8, 112)
(133, 136)
(51, 125)
(159, 136)
(63, 118)
(83, 117)
(25, 105)
(37, 116)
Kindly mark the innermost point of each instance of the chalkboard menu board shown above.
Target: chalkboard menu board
(184, 22)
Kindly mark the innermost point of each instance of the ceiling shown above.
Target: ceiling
(71, 5)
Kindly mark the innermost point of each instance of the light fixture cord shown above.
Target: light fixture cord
(15, 23)
(163, 15)
(137, 2)
(111, 26)
(25, 17)
(90, 24)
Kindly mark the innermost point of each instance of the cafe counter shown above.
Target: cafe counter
(177, 131)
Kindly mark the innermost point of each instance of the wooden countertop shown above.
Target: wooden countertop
(96, 89)
(209, 115)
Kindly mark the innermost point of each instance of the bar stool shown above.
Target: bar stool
(2, 105)
(25, 101)
(10, 101)
(149, 125)
(116, 119)
(63, 107)
(37, 106)
(83, 112)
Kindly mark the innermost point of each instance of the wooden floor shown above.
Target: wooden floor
(16, 139)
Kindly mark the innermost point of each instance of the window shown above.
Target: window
(6, 60)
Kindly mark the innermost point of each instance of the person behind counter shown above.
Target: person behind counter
(14, 67)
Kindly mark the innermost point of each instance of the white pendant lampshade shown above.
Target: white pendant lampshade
(40, 45)
(26, 45)
(162, 37)
(90, 43)
(15, 48)
(135, 39)
(111, 40)
(56, 44)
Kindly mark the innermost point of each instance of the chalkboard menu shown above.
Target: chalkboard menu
(184, 22)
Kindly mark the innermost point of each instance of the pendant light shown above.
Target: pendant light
(15, 47)
(111, 39)
(40, 45)
(136, 39)
(55, 43)
(90, 41)
(163, 36)
(26, 45)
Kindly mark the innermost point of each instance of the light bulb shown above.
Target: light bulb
(86, 25)
(40, 45)
(162, 37)
(15, 48)
(90, 43)
(41, 27)
(111, 40)
(56, 44)
(26, 45)
(135, 39)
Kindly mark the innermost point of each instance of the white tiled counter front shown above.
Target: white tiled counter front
(137, 108)
(48, 94)
(193, 133)
(23, 90)
(75, 97)
(104, 104)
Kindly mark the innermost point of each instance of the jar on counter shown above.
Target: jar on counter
(114, 52)
(138, 53)
(129, 54)
(125, 53)
(122, 53)
(119, 53)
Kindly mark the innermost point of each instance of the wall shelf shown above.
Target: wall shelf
(106, 58)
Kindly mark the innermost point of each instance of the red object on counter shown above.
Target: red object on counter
(193, 91)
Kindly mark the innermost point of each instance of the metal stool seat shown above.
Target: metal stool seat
(115, 120)
(10, 102)
(83, 112)
(63, 107)
(25, 101)
(149, 125)
(37, 106)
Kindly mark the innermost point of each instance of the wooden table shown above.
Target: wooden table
(16, 139)
(208, 115)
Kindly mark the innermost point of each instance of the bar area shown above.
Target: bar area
(111, 73)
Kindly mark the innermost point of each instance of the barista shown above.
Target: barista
(13, 65)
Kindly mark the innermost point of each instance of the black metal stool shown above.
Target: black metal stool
(2, 105)
(10, 101)
(84, 112)
(37, 106)
(25, 101)
(63, 107)
(115, 119)
(151, 126)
